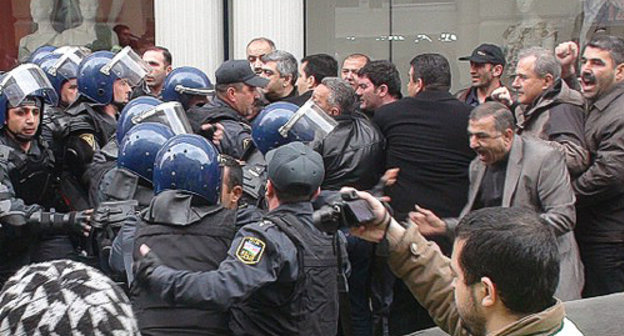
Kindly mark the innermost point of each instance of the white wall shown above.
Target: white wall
(193, 31)
(278, 20)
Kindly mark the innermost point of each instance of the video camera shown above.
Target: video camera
(347, 211)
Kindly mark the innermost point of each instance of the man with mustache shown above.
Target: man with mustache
(600, 189)
(546, 108)
(514, 171)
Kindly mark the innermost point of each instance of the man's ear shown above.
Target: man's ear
(548, 81)
(489, 295)
(497, 70)
(237, 193)
(334, 111)
(287, 80)
(382, 90)
(312, 82)
(619, 72)
(230, 93)
(168, 69)
(316, 193)
(270, 190)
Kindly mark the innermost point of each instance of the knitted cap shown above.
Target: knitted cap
(64, 297)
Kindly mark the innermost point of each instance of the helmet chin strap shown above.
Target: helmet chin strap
(118, 105)
(19, 137)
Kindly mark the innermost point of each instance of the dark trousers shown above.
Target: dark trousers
(360, 252)
(604, 268)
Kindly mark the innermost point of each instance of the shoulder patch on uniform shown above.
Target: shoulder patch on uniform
(88, 138)
(246, 143)
(250, 250)
(5, 151)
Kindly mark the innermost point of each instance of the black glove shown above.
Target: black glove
(143, 269)
(75, 221)
(78, 221)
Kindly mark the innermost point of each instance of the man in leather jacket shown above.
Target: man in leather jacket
(236, 92)
(353, 152)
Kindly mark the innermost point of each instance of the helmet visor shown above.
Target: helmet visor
(67, 64)
(171, 114)
(27, 80)
(309, 117)
(127, 65)
(181, 89)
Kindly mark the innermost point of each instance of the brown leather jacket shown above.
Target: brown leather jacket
(427, 273)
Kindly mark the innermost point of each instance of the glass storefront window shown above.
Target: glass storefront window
(95, 24)
(401, 29)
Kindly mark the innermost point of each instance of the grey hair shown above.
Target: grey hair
(341, 94)
(545, 61)
(285, 61)
(503, 118)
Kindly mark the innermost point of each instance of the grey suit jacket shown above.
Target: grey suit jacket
(537, 178)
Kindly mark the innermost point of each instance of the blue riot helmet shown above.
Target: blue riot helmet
(138, 149)
(281, 123)
(99, 71)
(133, 108)
(183, 82)
(171, 114)
(188, 162)
(61, 67)
(22, 83)
(39, 53)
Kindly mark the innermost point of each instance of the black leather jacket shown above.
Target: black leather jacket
(353, 153)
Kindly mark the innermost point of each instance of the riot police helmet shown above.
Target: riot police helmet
(26, 83)
(133, 108)
(186, 81)
(39, 53)
(281, 123)
(99, 71)
(61, 67)
(190, 163)
(139, 147)
(170, 114)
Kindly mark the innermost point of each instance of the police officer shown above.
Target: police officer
(28, 185)
(268, 279)
(105, 81)
(190, 87)
(236, 93)
(192, 230)
(62, 71)
(278, 124)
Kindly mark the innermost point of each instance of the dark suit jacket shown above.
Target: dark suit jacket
(426, 138)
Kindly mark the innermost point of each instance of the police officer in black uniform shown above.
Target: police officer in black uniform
(236, 93)
(280, 274)
(105, 81)
(61, 68)
(28, 184)
(190, 228)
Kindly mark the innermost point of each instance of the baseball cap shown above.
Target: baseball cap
(486, 53)
(295, 164)
(239, 71)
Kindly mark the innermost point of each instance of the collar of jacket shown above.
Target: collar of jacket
(560, 93)
(175, 207)
(544, 323)
(434, 95)
(609, 97)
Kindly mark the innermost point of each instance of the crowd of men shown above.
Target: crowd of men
(304, 198)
